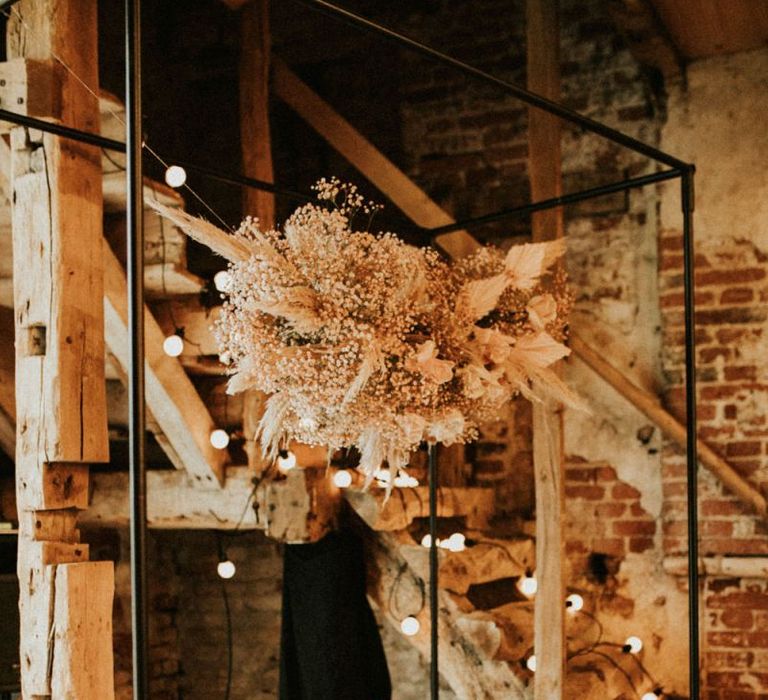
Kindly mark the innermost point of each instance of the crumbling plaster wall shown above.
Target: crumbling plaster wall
(718, 123)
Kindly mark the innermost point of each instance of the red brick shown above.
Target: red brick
(743, 449)
(590, 493)
(675, 488)
(733, 374)
(719, 528)
(624, 491)
(713, 393)
(728, 639)
(709, 355)
(634, 527)
(710, 277)
(610, 510)
(588, 475)
(721, 507)
(612, 546)
(606, 474)
(640, 544)
(736, 295)
(730, 660)
(737, 618)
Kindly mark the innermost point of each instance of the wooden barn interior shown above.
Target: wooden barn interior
(566, 535)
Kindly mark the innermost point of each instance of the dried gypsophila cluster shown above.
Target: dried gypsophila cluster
(364, 341)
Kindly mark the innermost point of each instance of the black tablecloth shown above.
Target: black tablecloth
(330, 644)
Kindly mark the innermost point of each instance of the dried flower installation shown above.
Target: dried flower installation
(361, 340)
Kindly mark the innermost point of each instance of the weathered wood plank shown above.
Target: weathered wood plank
(376, 167)
(256, 148)
(173, 503)
(82, 643)
(545, 170)
(404, 505)
(171, 396)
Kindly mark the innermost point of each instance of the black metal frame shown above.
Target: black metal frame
(133, 150)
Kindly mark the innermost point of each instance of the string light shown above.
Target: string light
(222, 280)
(219, 438)
(342, 479)
(286, 461)
(410, 626)
(175, 176)
(426, 541)
(226, 569)
(574, 602)
(530, 663)
(173, 345)
(405, 481)
(528, 585)
(455, 543)
(653, 695)
(632, 645)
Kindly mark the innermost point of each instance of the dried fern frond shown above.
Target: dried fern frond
(219, 241)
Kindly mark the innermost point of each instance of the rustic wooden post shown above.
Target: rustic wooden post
(544, 165)
(256, 148)
(65, 601)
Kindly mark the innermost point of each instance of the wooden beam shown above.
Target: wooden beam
(359, 151)
(545, 171)
(173, 503)
(649, 405)
(256, 148)
(467, 663)
(82, 623)
(404, 505)
(59, 369)
(7, 383)
(171, 396)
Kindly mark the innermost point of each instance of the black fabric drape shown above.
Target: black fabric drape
(330, 644)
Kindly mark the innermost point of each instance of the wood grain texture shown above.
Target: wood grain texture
(171, 396)
(545, 170)
(82, 641)
(173, 502)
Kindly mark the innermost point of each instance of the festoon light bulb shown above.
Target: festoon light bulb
(574, 602)
(342, 479)
(175, 176)
(455, 543)
(222, 280)
(652, 695)
(530, 663)
(426, 541)
(226, 569)
(410, 626)
(219, 438)
(286, 461)
(173, 345)
(633, 645)
(528, 585)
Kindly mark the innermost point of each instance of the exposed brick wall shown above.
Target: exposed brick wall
(604, 515)
(731, 284)
(736, 629)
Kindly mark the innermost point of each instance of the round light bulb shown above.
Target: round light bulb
(528, 586)
(410, 626)
(574, 602)
(173, 345)
(286, 461)
(222, 280)
(219, 438)
(426, 541)
(175, 176)
(457, 542)
(651, 696)
(225, 569)
(633, 644)
(530, 663)
(342, 479)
